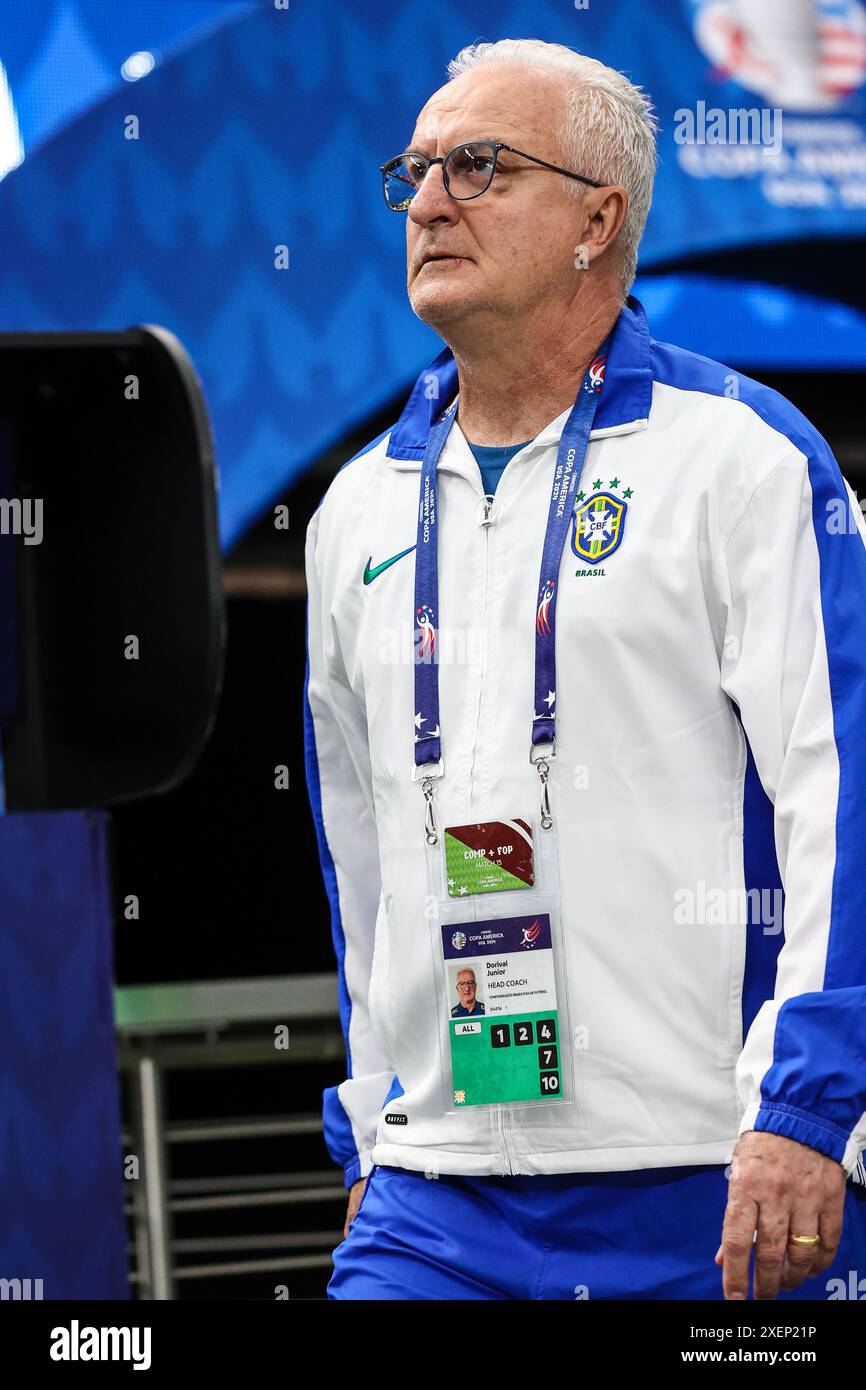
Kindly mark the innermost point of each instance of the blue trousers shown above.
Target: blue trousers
(650, 1234)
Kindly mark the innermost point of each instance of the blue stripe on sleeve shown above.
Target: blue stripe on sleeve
(815, 1090)
(818, 1076)
(339, 1138)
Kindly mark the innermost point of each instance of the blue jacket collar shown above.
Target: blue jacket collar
(625, 399)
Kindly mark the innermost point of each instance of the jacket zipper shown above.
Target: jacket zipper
(505, 1122)
(485, 524)
(501, 1113)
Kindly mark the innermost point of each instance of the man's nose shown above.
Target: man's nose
(432, 200)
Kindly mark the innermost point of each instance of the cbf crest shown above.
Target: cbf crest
(598, 521)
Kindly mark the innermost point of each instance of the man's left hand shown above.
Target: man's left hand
(779, 1188)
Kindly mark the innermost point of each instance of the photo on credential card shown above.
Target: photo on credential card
(465, 991)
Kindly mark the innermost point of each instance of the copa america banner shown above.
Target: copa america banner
(763, 125)
(227, 187)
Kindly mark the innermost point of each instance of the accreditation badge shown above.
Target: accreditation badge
(501, 982)
(504, 1026)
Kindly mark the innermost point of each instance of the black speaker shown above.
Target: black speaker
(112, 625)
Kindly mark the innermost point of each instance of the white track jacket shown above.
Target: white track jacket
(711, 668)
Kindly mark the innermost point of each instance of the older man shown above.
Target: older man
(468, 1004)
(595, 791)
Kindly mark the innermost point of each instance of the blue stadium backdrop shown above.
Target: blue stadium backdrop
(261, 127)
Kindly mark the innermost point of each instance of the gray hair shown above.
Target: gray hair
(608, 127)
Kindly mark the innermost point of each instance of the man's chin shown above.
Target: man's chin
(439, 305)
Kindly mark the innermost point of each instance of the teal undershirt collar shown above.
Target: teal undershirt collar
(491, 460)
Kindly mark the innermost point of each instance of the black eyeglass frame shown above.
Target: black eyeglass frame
(497, 146)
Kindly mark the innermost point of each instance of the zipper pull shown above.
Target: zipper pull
(489, 502)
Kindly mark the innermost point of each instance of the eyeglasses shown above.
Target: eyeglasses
(466, 984)
(467, 171)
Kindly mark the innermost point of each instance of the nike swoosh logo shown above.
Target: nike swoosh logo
(371, 570)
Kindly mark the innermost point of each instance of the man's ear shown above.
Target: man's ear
(605, 209)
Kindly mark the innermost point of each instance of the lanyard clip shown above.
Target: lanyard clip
(547, 752)
(427, 778)
(429, 817)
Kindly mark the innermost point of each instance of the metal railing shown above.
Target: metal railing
(221, 1024)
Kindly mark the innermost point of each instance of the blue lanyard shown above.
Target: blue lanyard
(569, 464)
